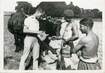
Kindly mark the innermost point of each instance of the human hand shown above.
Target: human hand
(42, 35)
(74, 58)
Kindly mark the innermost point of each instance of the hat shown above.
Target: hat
(68, 13)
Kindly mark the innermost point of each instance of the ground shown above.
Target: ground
(12, 58)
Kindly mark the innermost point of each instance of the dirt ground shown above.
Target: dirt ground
(12, 58)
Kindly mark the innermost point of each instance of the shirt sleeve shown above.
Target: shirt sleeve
(34, 25)
(31, 24)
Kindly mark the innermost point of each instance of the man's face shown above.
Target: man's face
(83, 28)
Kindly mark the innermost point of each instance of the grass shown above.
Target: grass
(12, 58)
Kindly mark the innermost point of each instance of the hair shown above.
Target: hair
(40, 10)
(87, 22)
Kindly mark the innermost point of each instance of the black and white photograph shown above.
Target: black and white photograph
(53, 35)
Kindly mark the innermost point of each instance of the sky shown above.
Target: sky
(9, 5)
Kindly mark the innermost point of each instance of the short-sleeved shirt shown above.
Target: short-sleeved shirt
(32, 24)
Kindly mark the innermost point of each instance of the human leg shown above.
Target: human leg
(35, 53)
(27, 46)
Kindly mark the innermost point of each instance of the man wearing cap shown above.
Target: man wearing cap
(69, 33)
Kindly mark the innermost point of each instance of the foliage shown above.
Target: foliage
(57, 8)
(16, 23)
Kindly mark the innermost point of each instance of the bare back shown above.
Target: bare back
(91, 42)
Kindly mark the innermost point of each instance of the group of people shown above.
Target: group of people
(61, 54)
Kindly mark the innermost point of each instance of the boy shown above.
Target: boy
(31, 28)
(69, 33)
(88, 46)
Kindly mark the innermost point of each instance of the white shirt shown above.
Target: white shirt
(32, 24)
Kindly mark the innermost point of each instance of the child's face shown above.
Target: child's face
(83, 28)
(38, 13)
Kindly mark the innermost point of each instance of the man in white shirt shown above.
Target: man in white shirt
(31, 28)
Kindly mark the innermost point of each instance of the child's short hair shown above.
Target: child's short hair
(87, 22)
(40, 10)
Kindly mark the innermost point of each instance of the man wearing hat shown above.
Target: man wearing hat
(69, 33)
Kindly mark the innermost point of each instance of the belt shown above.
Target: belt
(31, 34)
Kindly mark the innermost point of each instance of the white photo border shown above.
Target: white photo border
(46, 71)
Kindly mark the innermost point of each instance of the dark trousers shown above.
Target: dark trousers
(19, 41)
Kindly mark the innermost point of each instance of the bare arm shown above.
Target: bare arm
(79, 46)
